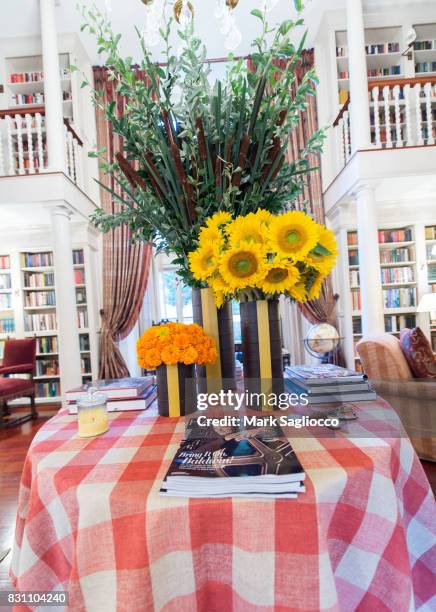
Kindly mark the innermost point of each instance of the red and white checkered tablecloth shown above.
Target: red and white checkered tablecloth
(91, 521)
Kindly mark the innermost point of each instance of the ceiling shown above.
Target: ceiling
(21, 18)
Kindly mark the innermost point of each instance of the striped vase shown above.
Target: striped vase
(262, 350)
(176, 390)
(218, 323)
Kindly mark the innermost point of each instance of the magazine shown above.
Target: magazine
(235, 461)
(117, 388)
(323, 374)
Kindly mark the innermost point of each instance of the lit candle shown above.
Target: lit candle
(92, 414)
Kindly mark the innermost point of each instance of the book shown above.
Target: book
(331, 396)
(323, 374)
(117, 388)
(120, 405)
(331, 387)
(233, 462)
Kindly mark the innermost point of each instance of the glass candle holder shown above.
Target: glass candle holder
(92, 416)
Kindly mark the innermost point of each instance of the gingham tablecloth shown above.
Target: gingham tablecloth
(91, 521)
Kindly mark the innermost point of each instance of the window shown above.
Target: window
(175, 298)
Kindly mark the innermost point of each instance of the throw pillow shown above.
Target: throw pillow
(418, 352)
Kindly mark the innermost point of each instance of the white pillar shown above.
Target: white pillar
(66, 311)
(369, 261)
(52, 87)
(359, 105)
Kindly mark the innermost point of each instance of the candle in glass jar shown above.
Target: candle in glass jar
(92, 414)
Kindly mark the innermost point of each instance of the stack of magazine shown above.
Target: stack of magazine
(234, 462)
(328, 383)
(121, 393)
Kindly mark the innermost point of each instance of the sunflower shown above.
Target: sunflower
(280, 277)
(247, 229)
(298, 292)
(264, 215)
(315, 290)
(294, 234)
(242, 267)
(204, 261)
(218, 219)
(217, 283)
(323, 257)
(210, 235)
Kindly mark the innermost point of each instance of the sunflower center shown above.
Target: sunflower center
(292, 237)
(243, 264)
(253, 238)
(207, 261)
(276, 275)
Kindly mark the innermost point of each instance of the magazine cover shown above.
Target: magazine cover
(232, 452)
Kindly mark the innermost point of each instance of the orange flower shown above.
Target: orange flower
(189, 356)
(170, 355)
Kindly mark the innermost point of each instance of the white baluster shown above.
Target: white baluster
(375, 95)
(71, 172)
(21, 169)
(347, 134)
(428, 113)
(28, 119)
(40, 147)
(11, 156)
(409, 136)
(419, 138)
(386, 98)
(398, 135)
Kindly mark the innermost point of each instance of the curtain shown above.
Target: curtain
(125, 264)
(322, 310)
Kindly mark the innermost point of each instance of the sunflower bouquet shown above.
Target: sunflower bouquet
(261, 256)
(175, 343)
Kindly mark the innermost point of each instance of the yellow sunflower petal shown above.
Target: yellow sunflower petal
(298, 292)
(293, 234)
(315, 290)
(242, 266)
(219, 218)
(280, 277)
(204, 261)
(248, 229)
(210, 234)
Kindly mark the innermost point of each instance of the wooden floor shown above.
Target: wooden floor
(14, 443)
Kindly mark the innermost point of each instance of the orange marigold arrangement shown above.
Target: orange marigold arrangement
(174, 343)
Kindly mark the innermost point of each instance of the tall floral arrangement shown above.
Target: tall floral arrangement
(260, 256)
(193, 148)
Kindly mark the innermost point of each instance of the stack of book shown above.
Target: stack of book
(121, 393)
(234, 461)
(328, 383)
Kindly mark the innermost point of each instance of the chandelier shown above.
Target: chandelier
(184, 10)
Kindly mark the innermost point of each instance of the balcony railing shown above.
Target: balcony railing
(402, 112)
(23, 145)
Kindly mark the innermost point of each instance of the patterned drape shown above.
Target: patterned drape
(125, 264)
(322, 310)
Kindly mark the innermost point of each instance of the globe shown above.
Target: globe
(321, 338)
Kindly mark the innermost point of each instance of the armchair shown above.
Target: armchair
(19, 358)
(414, 399)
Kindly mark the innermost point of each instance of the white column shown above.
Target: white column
(66, 311)
(52, 87)
(369, 261)
(359, 105)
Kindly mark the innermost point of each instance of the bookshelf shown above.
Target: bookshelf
(430, 251)
(383, 56)
(7, 323)
(398, 276)
(38, 318)
(425, 49)
(25, 82)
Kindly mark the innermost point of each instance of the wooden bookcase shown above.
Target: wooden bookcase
(7, 323)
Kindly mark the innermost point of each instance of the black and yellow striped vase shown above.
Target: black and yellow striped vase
(218, 323)
(176, 390)
(262, 350)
